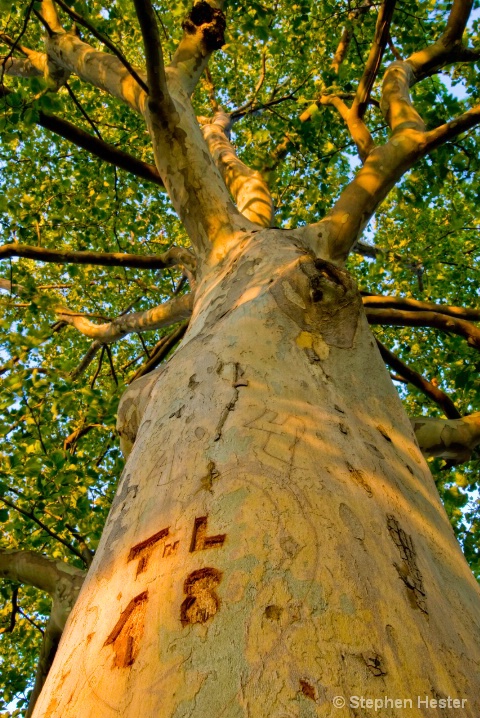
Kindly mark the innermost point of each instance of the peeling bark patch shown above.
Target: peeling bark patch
(192, 382)
(307, 689)
(212, 474)
(408, 569)
(202, 602)
(273, 613)
(127, 633)
(359, 478)
(200, 540)
(374, 663)
(143, 550)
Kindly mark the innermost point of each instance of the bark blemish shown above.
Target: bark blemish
(351, 521)
(408, 570)
(193, 383)
(374, 663)
(212, 474)
(237, 382)
(273, 613)
(384, 433)
(202, 602)
(359, 478)
(126, 635)
(307, 689)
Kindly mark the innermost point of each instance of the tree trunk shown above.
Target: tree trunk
(277, 539)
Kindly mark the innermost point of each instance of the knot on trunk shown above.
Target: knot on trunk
(210, 21)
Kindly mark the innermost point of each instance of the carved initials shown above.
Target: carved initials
(127, 633)
(200, 540)
(202, 602)
(144, 549)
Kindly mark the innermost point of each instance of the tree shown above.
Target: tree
(276, 538)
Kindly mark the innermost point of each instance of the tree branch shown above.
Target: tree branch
(80, 20)
(203, 33)
(448, 48)
(30, 515)
(162, 315)
(448, 324)
(172, 257)
(156, 80)
(417, 380)
(99, 148)
(374, 301)
(356, 126)
(452, 129)
(372, 66)
(247, 187)
(161, 350)
(62, 582)
(49, 16)
(451, 439)
(33, 569)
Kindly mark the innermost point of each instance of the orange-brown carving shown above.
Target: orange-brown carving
(170, 549)
(143, 550)
(127, 633)
(200, 540)
(202, 602)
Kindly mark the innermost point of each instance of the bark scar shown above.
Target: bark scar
(408, 569)
(237, 382)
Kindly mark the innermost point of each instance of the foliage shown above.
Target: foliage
(53, 194)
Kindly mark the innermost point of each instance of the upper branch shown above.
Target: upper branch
(162, 315)
(156, 80)
(418, 381)
(248, 188)
(335, 235)
(452, 439)
(448, 324)
(382, 32)
(170, 258)
(203, 33)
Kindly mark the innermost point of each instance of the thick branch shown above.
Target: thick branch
(449, 439)
(356, 126)
(20, 67)
(162, 315)
(62, 582)
(418, 381)
(80, 20)
(96, 146)
(248, 188)
(49, 16)
(161, 350)
(203, 33)
(172, 257)
(36, 570)
(452, 129)
(156, 80)
(448, 324)
(381, 302)
(449, 47)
